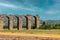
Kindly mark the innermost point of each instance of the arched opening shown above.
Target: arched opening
(28, 21)
(19, 22)
(5, 22)
(15, 22)
(10, 22)
(37, 21)
(22, 22)
(33, 22)
(24, 19)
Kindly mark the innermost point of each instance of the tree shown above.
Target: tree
(44, 23)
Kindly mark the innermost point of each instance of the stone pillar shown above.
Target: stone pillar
(28, 22)
(1, 22)
(19, 24)
(37, 21)
(10, 22)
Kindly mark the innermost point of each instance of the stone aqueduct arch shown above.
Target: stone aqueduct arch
(10, 22)
(19, 21)
(37, 21)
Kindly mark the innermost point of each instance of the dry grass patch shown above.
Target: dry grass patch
(35, 32)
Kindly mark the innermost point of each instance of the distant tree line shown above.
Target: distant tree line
(49, 26)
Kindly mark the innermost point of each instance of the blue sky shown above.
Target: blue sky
(46, 9)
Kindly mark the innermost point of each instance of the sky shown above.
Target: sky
(46, 9)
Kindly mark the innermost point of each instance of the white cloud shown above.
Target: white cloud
(50, 12)
(19, 7)
(54, 9)
(7, 5)
(16, 7)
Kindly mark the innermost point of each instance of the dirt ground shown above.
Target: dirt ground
(26, 36)
(8, 37)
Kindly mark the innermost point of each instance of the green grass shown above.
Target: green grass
(34, 31)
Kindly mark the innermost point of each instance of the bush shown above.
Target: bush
(5, 27)
(57, 26)
(14, 26)
(24, 26)
(45, 27)
(33, 26)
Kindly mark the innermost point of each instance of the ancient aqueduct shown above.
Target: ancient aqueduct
(19, 24)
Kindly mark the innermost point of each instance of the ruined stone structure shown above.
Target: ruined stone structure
(37, 21)
(19, 21)
(1, 22)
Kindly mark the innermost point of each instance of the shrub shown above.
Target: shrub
(14, 26)
(33, 25)
(57, 26)
(24, 26)
(5, 27)
(45, 27)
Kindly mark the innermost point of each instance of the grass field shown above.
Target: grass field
(34, 31)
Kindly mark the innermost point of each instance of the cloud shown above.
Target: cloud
(53, 9)
(25, 5)
(7, 5)
(20, 7)
(52, 12)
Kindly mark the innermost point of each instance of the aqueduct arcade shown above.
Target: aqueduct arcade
(19, 21)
